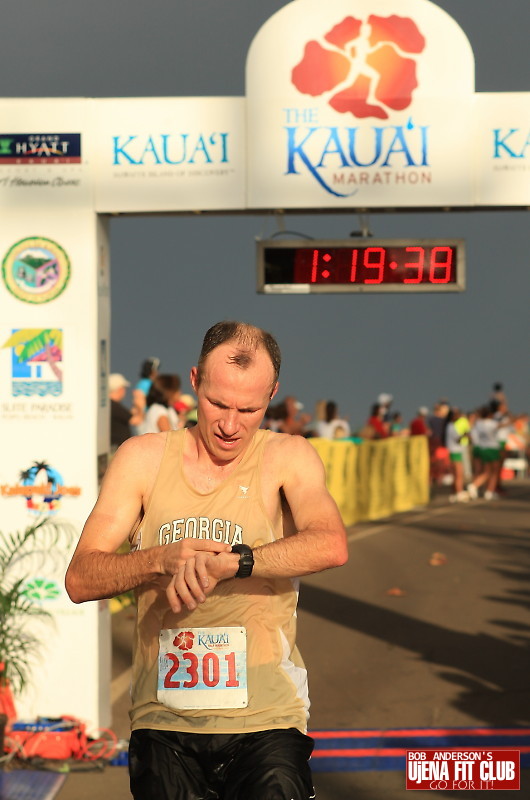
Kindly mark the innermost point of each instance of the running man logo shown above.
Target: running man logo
(362, 68)
(184, 640)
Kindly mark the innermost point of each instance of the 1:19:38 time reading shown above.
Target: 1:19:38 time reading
(372, 265)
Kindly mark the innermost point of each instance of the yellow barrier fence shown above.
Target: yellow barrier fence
(374, 479)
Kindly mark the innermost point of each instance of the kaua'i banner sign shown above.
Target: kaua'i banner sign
(372, 104)
(349, 105)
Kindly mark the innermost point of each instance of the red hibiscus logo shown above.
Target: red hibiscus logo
(363, 66)
(184, 640)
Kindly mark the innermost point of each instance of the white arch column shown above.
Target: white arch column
(54, 361)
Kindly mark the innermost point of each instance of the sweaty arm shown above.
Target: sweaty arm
(96, 570)
(320, 539)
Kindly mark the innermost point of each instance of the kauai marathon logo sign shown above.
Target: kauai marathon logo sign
(364, 69)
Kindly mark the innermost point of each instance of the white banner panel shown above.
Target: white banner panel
(405, 164)
(178, 154)
(502, 149)
(359, 106)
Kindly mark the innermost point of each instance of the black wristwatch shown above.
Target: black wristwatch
(246, 560)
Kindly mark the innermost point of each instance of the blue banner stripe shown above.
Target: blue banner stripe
(375, 764)
(381, 760)
(423, 743)
(363, 764)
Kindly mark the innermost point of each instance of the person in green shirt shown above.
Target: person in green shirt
(463, 427)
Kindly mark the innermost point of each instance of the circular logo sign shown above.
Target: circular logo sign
(36, 270)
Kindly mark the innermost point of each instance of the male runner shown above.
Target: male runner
(222, 518)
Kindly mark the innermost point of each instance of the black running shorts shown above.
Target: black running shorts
(269, 765)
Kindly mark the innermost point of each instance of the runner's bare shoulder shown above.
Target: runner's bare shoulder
(286, 451)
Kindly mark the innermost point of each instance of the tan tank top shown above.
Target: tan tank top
(266, 608)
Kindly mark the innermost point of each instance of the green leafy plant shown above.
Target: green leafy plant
(20, 646)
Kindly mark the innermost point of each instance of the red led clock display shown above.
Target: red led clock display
(376, 264)
(363, 265)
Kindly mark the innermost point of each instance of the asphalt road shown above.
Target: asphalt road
(427, 626)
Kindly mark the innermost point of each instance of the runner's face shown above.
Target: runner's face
(231, 401)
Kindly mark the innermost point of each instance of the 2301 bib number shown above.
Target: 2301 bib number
(202, 668)
(206, 668)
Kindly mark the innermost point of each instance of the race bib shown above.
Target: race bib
(202, 668)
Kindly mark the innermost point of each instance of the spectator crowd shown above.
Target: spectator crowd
(157, 404)
(473, 452)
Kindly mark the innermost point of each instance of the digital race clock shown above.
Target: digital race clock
(361, 265)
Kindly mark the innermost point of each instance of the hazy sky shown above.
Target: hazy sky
(173, 276)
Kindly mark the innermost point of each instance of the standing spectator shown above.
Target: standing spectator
(453, 441)
(293, 421)
(504, 419)
(273, 417)
(418, 426)
(437, 422)
(396, 424)
(121, 418)
(332, 426)
(186, 408)
(476, 461)
(485, 436)
(376, 421)
(385, 400)
(463, 428)
(498, 394)
(161, 415)
(148, 372)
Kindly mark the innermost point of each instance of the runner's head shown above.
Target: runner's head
(235, 380)
(247, 340)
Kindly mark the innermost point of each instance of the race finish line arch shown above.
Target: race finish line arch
(355, 111)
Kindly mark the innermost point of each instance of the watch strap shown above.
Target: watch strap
(246, 560)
